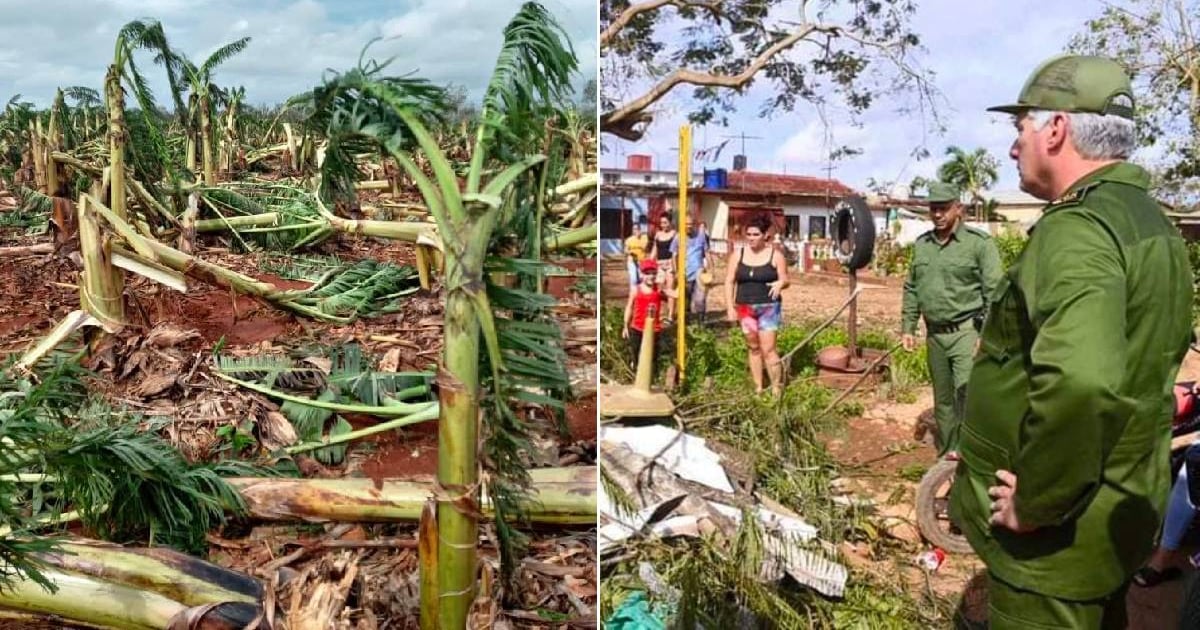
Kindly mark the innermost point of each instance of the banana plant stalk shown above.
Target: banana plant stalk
(101, 285)
(118, 135)
(465, 221)
(53, 143)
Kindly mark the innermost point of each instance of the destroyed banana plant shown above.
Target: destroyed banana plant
(133, 36)
(207, 96)
(532, 74)
(312, 396)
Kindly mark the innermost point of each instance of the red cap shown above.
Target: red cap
(649, 265)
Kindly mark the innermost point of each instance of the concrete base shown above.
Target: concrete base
(629, 402)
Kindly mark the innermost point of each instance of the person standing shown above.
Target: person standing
(755, 278)
(635, 251)
(663, 251)
(645, 300)
(953, 272)
(1064, 473)
(698, 262)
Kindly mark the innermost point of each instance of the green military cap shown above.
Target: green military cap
(943, 192)
(1076, 83)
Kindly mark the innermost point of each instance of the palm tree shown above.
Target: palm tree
(204, 98)
(972, 172)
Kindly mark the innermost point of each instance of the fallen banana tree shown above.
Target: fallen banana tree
(562, 496)
(102, 604)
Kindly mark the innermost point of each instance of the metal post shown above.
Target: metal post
(852, 326)
(685, 175)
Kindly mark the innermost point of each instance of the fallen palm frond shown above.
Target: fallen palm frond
(125, 482)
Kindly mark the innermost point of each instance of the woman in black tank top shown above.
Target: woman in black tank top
(755, 278)
(663, 251)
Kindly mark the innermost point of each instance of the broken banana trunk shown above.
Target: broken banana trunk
(562, 496)
(106, 586)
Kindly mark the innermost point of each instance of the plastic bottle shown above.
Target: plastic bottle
(931, 560)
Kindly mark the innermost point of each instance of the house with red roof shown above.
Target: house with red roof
(799, 205)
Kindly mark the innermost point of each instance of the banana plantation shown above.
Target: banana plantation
(325, 364)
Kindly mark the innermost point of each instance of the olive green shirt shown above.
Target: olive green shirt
(1072, 391)
(949, 282)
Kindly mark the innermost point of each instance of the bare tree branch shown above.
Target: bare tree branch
(639, 104)
(627, 121)
(634, 10)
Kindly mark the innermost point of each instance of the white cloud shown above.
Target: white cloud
(293, 42)
(810, 147)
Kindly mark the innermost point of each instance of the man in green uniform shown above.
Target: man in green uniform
(1063, 474)
(954, 270)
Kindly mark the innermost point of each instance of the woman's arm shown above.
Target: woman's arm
(730, 280)
(781, 267)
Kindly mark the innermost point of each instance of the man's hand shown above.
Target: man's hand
(1004, 510)
(909, 342)
(625, 331)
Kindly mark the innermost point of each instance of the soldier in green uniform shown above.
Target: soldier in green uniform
(1063, 474)
(954, 270)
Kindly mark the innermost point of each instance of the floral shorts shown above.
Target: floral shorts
(756, 317)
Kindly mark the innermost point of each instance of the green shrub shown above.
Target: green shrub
(1010, 245)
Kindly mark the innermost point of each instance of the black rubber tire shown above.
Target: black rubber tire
(932, 528)
(1189, 612)
(853, 228)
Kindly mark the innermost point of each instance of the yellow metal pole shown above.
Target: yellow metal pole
(685, 175)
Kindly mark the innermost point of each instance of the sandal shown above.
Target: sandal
(1148, 576)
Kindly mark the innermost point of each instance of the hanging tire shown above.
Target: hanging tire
(933, 498)
(853, 233)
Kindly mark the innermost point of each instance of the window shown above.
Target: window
(614, 223)
(612, 178)
(791, 228)
(816, 227)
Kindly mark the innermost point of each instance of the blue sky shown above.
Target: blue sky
(981, 52)
(53, 43)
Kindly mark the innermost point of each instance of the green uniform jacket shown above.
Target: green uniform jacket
(1071, 391)
(949, 283)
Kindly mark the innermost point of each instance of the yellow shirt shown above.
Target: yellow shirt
(635, 246)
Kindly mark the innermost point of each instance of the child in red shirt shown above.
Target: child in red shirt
(645, 299)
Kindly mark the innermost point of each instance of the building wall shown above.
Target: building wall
(638, 209)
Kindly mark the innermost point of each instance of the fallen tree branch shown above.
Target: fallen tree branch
(27, 250)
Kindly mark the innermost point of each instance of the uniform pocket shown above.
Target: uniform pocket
(981, 455)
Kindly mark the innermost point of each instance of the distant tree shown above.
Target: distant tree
(859, 50)
(1157, 42)
(972, 172)
(587, 101)
(461, 109)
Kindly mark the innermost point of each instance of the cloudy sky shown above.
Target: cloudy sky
(53, 43)
(981, 53)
